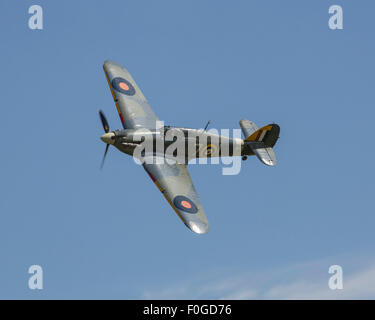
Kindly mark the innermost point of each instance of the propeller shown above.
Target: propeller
(105, 154)
(105, 124)
(104, 121)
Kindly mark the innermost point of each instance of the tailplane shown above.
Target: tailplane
(261, 141)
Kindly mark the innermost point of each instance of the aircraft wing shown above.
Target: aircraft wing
(174, 182)
(132, 106)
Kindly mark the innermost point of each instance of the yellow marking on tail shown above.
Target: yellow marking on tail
(255, 136)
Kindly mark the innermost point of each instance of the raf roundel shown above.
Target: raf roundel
(185, 204)
(123, 86)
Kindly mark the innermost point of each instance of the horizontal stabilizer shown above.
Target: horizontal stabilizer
(248, 127)
(264, 153)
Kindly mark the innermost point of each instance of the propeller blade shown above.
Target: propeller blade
(105, 154)
(104, 121)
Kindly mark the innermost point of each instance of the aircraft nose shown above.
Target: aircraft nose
(108, 138)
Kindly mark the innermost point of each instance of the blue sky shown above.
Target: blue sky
(110, 234)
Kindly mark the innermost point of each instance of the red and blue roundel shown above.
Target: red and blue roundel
(123, 86)
(185, 204)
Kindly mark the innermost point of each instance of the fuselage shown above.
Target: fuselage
(182, 143)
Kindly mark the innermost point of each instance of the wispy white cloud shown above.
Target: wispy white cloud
(358, 285)
(303, 281)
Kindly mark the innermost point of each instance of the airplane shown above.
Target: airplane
(172, 177)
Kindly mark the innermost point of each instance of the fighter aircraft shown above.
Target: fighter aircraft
(172, 177)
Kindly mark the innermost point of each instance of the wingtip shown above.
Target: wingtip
(110, 65)
(109, 61)
(198, 227)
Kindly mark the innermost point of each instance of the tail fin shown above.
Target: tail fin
(261, 140)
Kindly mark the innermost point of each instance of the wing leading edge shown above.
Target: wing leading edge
(174, 182)
(132, 106)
